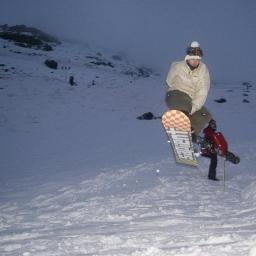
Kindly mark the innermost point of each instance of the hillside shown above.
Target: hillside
(80, 175)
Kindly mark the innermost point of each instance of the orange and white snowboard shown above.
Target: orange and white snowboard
(178, 129)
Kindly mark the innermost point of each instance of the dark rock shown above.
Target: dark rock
(144, 72)
(102, 63)
(27, 37)
(139, 72)
(51, 64)
(47, 48)
(221, 100)
(148, 116)
(30, 30)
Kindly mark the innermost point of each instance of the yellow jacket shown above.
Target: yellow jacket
(195, 83)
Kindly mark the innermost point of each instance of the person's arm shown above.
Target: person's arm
(202, 92)
(170, 77)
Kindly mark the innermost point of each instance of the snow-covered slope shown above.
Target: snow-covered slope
(80, 175)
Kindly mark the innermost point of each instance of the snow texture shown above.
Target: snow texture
(80, 175)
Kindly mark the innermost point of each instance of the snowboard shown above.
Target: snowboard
(178, 129)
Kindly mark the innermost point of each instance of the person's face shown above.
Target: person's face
(194, 62)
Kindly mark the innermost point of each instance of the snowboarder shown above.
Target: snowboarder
(188, 83)
(214, 144)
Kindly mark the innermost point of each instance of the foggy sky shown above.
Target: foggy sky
(154, 32)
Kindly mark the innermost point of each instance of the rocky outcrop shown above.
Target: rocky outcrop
(51, 64)
(28, 37)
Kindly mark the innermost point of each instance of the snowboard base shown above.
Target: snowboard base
(178, 129)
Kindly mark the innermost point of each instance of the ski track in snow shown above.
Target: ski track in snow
(136, 206)
(117, 214)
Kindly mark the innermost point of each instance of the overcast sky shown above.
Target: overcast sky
(155, 32)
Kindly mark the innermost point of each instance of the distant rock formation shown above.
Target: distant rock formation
(28, 37)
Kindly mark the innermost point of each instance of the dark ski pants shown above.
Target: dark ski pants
(213, 165)
(181, 101)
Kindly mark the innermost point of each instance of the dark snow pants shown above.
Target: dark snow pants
(213, 165)
(181, 101)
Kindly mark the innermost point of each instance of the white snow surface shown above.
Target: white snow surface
(80, 175)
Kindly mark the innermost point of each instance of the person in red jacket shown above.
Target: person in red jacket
(208, 149)
(214, 144)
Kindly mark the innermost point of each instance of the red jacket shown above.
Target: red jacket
(217, 142)
(208, 133)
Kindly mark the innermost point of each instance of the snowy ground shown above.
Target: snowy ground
(79, 175)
